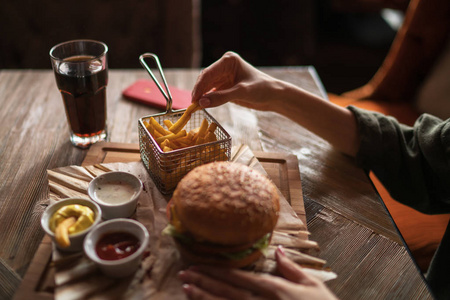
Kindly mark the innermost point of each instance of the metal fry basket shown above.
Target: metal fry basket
(168, 168)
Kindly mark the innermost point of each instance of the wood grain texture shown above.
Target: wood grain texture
(34, 138)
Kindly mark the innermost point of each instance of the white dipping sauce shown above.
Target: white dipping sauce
(114, 192)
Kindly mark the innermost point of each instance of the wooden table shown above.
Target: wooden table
(345, 215)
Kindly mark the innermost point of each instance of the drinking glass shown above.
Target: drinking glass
(81, 71)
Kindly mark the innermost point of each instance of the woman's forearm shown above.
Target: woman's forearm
(333, 123)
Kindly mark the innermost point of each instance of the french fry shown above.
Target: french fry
(156, 134)
(215, 155)
(186, 140)
(151, 130)
(212, 127)
(169, 141)
(210, 137)
(182, 121)
(180, 143)
(62, 232)
(169, 144)
(192, 135)
(193, 132)
(149, 127)
(170, 179)
(200, 136)
(171, 136)
(203, 128)
(200, 140)
(158, 127)
(193, 164)
(168, 123)
(167, 149)
(165, 143)
(189, 164)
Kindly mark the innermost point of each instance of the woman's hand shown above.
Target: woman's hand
(233, 79)
(218, 283)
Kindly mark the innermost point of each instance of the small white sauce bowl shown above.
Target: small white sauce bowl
(124, 209)
(121, 267)
(76, 239)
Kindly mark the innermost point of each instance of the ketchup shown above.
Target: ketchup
(116, 245)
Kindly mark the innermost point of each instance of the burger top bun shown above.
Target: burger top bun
(226, 203)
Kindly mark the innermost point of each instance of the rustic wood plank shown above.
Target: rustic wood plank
(8, 280)
(285, 168)
(38, 282)
(372, 253)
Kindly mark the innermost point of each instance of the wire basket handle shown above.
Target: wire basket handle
(167, 95)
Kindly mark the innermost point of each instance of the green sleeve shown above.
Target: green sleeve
(413, 163)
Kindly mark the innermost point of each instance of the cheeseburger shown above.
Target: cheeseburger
(223, 214)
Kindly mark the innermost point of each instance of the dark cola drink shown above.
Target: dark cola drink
(82, 82)
(81, 71)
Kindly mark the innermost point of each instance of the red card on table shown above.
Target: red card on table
(147, 92)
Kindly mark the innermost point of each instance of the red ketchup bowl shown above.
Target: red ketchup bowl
(117, 246)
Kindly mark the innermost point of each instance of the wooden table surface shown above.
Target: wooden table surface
(345, 214)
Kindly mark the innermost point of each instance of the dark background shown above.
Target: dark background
(346, 43)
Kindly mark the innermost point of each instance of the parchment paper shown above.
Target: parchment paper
(77, 277)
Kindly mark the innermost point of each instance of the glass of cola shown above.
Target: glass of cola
(81, 71)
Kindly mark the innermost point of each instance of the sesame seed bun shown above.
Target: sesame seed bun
(225, 205)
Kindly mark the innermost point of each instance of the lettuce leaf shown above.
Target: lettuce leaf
(261, 245)
(171, 231)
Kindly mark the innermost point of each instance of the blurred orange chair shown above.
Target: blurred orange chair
(392, 90)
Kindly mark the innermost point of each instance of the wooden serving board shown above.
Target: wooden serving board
(283, 169)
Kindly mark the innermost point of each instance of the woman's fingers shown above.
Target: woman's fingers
(219, 97)
(263, 285)
(290, 270)
(206, 282)
(233, 79)
(219, 75)
(200, 286)
(301, 285)
(196, 293)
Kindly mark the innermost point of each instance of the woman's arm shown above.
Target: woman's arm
(233, 79)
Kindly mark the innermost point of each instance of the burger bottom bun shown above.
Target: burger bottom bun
(191, 258)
